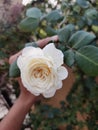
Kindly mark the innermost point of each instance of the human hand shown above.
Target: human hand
(25, 95)
(14, 119)
(55, 38)
(41, 43)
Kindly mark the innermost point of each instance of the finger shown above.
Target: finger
(55, 38)
(14, 57)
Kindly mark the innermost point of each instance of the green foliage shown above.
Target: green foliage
(83, 3)
(14, 70)
(29, 24)
(54, 16)
(34, 13)
(80, 39)
(50, 31)
(87, 59)
(65, 32)
(91, 16)
(69, 57)
(46, 117)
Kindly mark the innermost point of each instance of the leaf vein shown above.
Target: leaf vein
(85, 57)
(79, 41)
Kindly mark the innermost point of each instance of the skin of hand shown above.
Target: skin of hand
(15, 117)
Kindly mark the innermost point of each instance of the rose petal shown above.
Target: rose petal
(62, 73)
(28, 53)
(56, 54)
(29, 86)
(59, 84)
(32, 51)
(49, 93)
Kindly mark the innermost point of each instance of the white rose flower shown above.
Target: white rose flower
(41, 70)
(25, 2)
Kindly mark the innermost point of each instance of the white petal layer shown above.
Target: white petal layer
(56, 54)
(62, 73)
(41, 70)
(59, 84)
(49, 93)
(32, 51)
(28, 53)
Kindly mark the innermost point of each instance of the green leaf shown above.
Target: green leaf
(64, 33)
(69, 57)
(14, 70)
(50, 31)
(91, 13)
(54, 15)
(81, 23)
(87, 60)
(91, 16)
(80, 39)
(34, 13)
(29, 24)
(83, 3)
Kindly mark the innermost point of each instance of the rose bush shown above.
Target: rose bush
(41, 70)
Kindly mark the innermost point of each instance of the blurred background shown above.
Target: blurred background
(75, 106)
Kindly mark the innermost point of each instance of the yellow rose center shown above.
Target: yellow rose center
(39, 69)
(41, 72)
